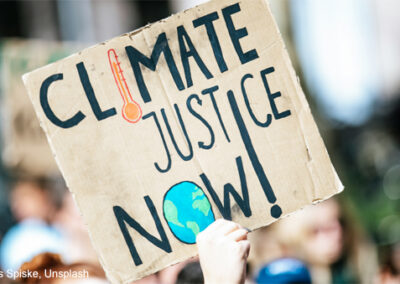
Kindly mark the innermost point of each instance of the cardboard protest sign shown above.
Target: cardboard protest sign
(160, 131)
(25, 146)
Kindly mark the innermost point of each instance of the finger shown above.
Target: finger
(226, 228)
(213, 226)
(243, 227)
(238, 235)
(245, 245)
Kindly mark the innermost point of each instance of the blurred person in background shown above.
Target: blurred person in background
(52, 270)
(69, 222)
(33, 204)
(330, 242)
(284, 271)
(181, 272)
(47, 221)
(190, 273)
(223, 250)
(265, 249)
(390, 270)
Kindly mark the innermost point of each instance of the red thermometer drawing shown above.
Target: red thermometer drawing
(131, 110)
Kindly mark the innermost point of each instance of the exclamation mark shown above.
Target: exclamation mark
(131, 110)
(276, 210)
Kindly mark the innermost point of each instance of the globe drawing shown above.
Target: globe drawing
(187, 210)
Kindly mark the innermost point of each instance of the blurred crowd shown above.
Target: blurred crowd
(46, 221)
(322, 243)
(347, 55)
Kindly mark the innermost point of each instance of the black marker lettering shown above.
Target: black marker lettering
(168, 167)
(94, 104)
(123, 218)
(136, 57)
(207, 21)
(178, 113)
(276, 211)
(211, 91)
(44, 102)
(237, 34)
(272, 97)
(199, 117)
(268, 120)
(242, 202)
(185, 54)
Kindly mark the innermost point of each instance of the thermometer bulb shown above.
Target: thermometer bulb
(131, 110)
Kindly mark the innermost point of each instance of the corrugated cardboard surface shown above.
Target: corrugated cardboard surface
(111, 162)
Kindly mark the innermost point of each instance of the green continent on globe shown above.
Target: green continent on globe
(187, 211)
(171, 213)
(197, 192)
(193, 226)
(202, 204)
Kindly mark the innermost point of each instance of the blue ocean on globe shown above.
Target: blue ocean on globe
(187, 211)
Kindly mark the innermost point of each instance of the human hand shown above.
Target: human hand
(223, 250)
